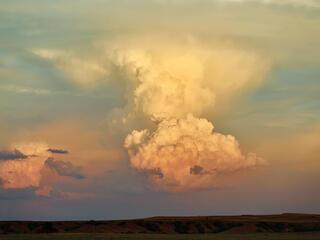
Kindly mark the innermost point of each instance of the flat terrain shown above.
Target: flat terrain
(217, 236)
(283, 226)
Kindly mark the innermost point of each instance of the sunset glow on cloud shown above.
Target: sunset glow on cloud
(185, 154)
(173, 85)
(118, 109)
(24, 172)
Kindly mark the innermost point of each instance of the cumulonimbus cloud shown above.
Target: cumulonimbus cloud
(174, 85)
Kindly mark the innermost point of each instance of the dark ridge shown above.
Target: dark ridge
(166, 225)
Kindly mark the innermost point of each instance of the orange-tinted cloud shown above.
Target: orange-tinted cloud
(174, 84)
(174, 87)
(186, 154)
(24, 172)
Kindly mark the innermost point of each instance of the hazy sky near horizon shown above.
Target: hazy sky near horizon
(121, 109)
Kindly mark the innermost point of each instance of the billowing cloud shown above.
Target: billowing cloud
(184, 154)
(170, 80)
(11, 155)
(64, 168)
(58, 151)
(174, 88)
(174, 85)
(24, 172)
(28, 166)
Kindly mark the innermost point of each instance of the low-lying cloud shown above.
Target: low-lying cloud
(24, 167)
(25, 171)
(64, 168)
(11, 155)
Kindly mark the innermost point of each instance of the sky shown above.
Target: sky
(116, 109)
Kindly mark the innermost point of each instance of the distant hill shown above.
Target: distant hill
(212, 224)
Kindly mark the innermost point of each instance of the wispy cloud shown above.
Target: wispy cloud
(46, 92)
(297, 3)
(17, 89)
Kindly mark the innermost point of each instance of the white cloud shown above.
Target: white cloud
(18, 89)
(174, 85)
(297, 3)
(84, 71)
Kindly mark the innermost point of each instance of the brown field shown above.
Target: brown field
(284, 223)
(210, 236)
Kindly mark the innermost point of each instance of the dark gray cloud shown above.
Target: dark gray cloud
(64, 168)
(11, 155)
(196, 169)
(59, 151)
(17, 193)
(155, 171)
